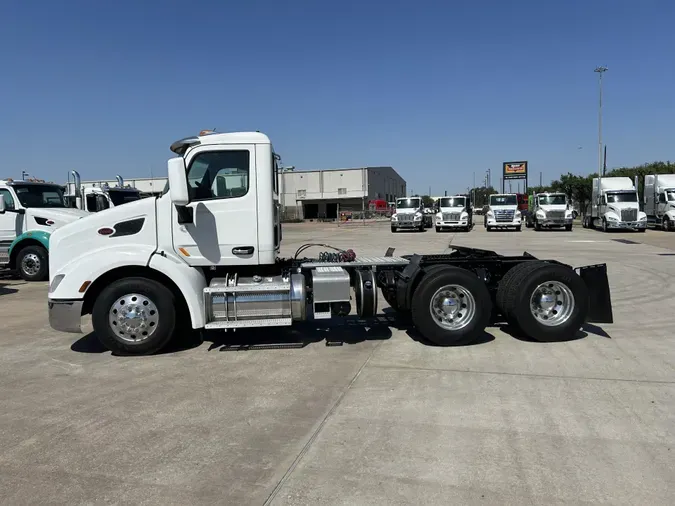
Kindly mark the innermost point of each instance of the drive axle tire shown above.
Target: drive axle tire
(32, 262)
(134, 316)
(547, 302)
(451, 306)
(393, 230)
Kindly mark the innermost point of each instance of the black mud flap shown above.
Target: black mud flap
(600, 300)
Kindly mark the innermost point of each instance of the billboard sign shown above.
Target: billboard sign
(515, 170)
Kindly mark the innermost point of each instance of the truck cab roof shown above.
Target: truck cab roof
(181, 146)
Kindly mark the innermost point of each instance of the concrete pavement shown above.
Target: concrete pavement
(381, 419)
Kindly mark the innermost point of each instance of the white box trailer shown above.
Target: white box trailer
(659, 200)
(615, 205)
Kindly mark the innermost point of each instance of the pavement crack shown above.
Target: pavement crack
(522, 374)
(318, 430)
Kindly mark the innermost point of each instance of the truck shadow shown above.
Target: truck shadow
(7, 289)
(586, 329)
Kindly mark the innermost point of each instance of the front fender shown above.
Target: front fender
(37, 235)
(93, 264)
(190, 281)
(611, 214)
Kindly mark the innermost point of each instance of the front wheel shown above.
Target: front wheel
(393, 230)
(33, 263)
(537, 226)
(568, 228)
(519, 228)
(134, 316)
(438, 229)
(604, 225)
(666, 225)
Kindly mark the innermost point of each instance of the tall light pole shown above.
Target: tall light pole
(600, 71)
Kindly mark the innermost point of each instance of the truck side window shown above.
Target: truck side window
(219, 175)
(9, 201)
(91, 202)
(662, 198)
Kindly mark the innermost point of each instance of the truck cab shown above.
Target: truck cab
(550, 210)
(659, 200)
(454, 213)
(409, 215)
(502, 212)
(615, 205)
(98, 197)
(29, 212)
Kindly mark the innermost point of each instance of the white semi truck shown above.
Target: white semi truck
(503, 212)
(550, 210)
(99, 197)
(30, 211)
(454, 213)
(408, 215)
(659, 199)
(615, 205)
(206, 254)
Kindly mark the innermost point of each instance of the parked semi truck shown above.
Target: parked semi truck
(208, 257)
(29, 212)
(549, 210)
(454, 213)
(98, 198)
(659, 200)
(408, 215)
(503, 212)
(614, 205)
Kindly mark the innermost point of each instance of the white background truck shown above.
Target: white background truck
(454, 213)
(550, 210)
(409, 215)
(207, 256)
(660, 200)
(98, 198)
(503, 212)
(614, 205)
(29, 212)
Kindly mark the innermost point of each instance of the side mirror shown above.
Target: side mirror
(2, 204)
(178, 186)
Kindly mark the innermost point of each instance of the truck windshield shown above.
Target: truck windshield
(551, 200)
(503, 200)
(119, 197)
(452, 202)
(39, 195)
(408, 203)
(613, 198)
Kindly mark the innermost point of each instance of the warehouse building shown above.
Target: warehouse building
(311, 194)
(323, 194)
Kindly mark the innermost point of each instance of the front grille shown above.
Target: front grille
(629, 215)
(451, 216)
(555, 215)
(405, 218)
(504, 215)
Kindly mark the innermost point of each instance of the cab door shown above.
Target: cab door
(9, 223)
(220, 224)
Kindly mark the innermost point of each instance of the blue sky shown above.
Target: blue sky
(437, 90)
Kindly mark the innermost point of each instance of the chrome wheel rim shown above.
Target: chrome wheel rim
(552, 303)
(133, 318)
(452, 307)
(30, 264)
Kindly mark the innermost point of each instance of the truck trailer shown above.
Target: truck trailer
(614, 205)
(659, 200)
(209, 258)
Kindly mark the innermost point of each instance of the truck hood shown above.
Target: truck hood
(68, 243)
(459, 209)
(407, 211)
(58, 217)
(617, 206)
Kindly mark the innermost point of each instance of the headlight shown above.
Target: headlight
(439, 215)
(541, 214)
(517, 214)
(611, 218)
(464, 215)
(490, 213)
(643, 218)
(418, 216)
(56, 282)
(394, 216)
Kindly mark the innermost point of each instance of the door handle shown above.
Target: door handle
(243, 250)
